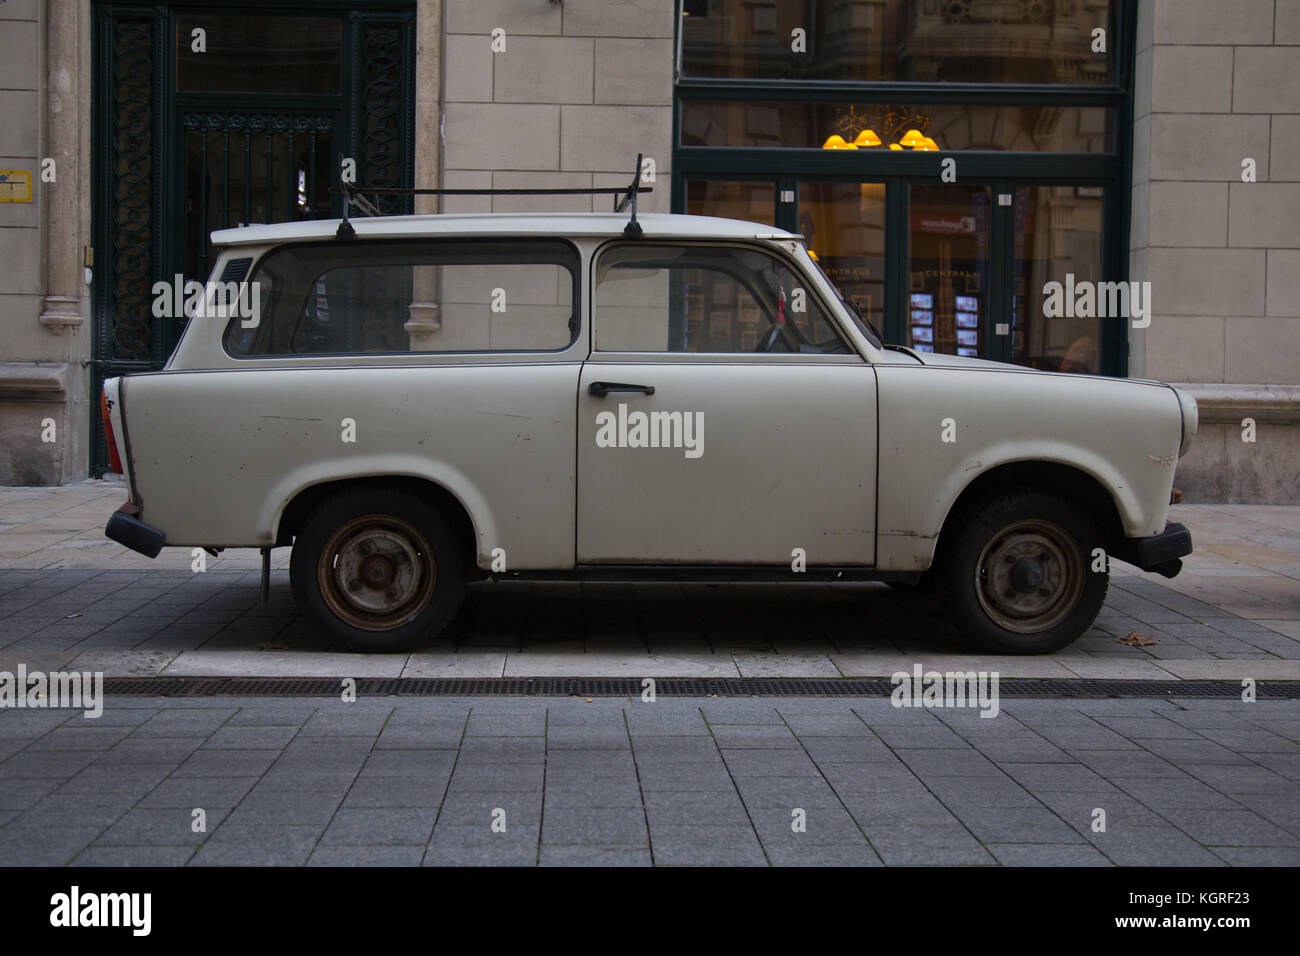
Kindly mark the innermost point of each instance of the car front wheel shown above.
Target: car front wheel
(1016, 573)
(378, 569)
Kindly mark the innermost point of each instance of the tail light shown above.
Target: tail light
(114, 459)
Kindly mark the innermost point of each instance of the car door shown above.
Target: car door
(722, 416)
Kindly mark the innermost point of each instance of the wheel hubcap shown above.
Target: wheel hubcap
(377, 572)
(1029, 576)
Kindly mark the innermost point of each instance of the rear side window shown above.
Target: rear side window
(345, 298)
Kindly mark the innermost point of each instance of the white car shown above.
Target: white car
(413, 402)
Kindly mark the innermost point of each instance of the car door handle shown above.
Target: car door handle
(601, 389)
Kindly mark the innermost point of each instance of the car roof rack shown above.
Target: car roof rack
(358, 196)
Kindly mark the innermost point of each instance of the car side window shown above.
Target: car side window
(707, 299)
(427, 297)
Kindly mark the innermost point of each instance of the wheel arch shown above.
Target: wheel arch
(1053, 476)
(301, 504)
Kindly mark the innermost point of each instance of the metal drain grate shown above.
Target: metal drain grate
(667, 686)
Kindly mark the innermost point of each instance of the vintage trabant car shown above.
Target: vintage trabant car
(413, 402)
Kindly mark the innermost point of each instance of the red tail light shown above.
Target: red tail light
(114, 459)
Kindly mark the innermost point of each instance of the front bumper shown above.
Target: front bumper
(1158, 553)
(126, 529)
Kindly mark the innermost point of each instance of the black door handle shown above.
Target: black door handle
(601, 389)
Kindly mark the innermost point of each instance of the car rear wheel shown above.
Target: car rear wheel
(378, 569)
(1015, 573)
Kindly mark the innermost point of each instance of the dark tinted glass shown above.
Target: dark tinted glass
(258, 54)
(953, 41)
(812, 125)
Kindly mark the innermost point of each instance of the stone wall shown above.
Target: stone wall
(1218, 82)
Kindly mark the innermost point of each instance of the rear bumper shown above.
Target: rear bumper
(126, 529)
(1158, 553)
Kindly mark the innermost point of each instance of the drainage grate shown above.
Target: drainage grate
(666, 687)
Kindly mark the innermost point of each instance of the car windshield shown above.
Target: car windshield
(860, 320)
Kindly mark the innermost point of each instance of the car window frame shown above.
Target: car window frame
(575, 266)
(852, 353)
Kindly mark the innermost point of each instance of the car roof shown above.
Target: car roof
(548, 225)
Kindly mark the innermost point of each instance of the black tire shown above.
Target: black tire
(378, 569)
(1015, 572)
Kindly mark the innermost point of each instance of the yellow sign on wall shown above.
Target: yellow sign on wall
(15, 185)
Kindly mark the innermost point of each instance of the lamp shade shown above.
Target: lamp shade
(911, 138)
(867, 138)
(837, 142)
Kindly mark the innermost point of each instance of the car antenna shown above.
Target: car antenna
(633, 228)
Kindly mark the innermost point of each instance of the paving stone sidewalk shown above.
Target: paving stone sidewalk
(674, 782)
(69, 597)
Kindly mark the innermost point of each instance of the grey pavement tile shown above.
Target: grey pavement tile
(584, 737)
(190, 792)
(930, 736)
(44, 764)
(785, 792)
(482, 809)
(156, 750)
(1247, 740)
(76, 736)
(137, 856)
(1148, 727)
(1016, 825)
(1020, 750)
(1127, 763)
(956, 762)
(821, 854)
(250, 738)
(1047, 854)
(861, 749)
(824, 725)
(1077, 809)
(997, 792)
(44, 846)
(1229, 828)
(164, 827)
(506, 725)
(595, 855)
(494, 777)
(1259, 855)
(1286, 765)
(591, 763)
(395, 792)
(187, 722)
(380, 827)
(135, 779)
(410, 763)
(606, 826)
(700, 808)
(773, 763)
(1037, 777)
(227, 763)
(1174, 793)
(258, 845)
(826, 825)
(342, 855)
(1151, 846)
(21, 793)
(1232, 779)
(706, 846)
(596, 794)
(1193, 751)
(442, 735)
(505, 750)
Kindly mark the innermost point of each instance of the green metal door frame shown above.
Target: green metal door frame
(1006, 170)
(138, 159)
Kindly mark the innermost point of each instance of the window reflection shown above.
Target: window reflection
(950, 41)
